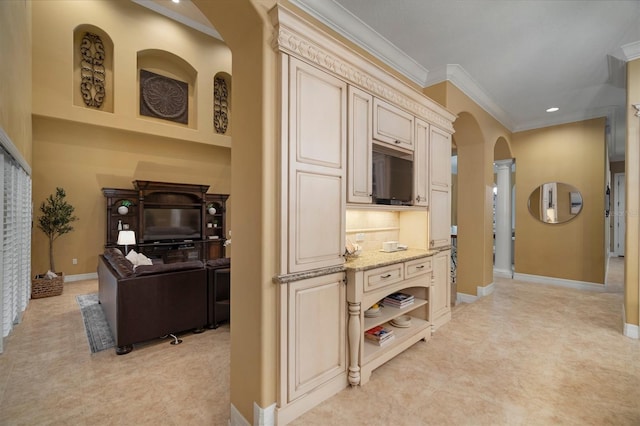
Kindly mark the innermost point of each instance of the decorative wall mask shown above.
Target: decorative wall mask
(220, 105)
(92, 70)
(163, 97)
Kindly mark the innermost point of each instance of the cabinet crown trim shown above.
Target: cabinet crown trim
(296, 36)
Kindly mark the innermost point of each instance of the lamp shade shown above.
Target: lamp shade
(126, 238)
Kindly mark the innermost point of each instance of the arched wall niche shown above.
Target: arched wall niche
(172, 66)
(92, 68)
(222, 103)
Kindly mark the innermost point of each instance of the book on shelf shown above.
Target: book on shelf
(398, 300)
(383, 342)
(379, 334)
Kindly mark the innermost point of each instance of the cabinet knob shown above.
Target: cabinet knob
(418, 198)
(432, 243)
(398, 142)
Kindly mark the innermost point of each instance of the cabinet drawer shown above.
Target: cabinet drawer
(417, 267)
(380, 277)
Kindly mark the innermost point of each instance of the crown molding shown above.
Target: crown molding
(297, 37)
(338, 18)
(631, 51)
(457, 75)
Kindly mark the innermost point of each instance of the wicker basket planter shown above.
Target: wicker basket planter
(42, 287)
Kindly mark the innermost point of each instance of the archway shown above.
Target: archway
(244, 28)
(474, 206)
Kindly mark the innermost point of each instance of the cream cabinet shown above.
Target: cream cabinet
(317, 117)
(421, 165)
(316, 333)
(367, 286)
(312, 358)
(439, 188)
(441, 289)
(360, 128)
(392, 125)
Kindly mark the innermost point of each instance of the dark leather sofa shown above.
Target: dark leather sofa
(153, 300)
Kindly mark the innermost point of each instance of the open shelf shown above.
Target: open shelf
(372, 350)
(389, 312)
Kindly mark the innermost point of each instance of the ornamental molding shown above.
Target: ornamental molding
(296, 37)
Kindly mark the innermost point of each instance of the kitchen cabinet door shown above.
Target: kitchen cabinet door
(317, 168)
(359, 146)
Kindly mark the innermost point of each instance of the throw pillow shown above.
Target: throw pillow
(132, 257)
(143, 260)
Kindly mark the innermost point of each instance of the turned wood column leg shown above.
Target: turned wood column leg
(354, 332)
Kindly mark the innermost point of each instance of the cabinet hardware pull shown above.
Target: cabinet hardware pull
(418, 198)
(420, 267)
(398, 142)
(385, 276)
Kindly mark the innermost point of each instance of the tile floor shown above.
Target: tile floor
(49, 376)
(529, 354)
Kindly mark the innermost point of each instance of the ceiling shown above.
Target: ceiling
(514, 58)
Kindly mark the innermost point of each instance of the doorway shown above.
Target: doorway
(619, 208)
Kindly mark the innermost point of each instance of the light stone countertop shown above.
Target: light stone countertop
(375, 259)
(366, 260)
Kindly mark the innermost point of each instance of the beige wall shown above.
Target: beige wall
(85, 149)
(575, 154)
(15, 74)
(476, 133)
(83, 159)
(632, 162)
(255, 188)
(133, 29)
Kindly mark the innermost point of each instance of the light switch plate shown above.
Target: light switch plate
(359, 237)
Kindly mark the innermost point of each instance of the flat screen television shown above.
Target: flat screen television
(171, 224)
(392, 177)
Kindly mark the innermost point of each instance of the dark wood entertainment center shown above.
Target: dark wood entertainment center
(186, 228)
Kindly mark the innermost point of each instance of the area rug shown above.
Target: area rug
(95, 323)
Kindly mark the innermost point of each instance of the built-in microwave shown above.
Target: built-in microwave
(392, 176)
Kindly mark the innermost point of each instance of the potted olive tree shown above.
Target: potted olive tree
(56, 220)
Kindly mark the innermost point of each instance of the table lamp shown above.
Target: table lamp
(125, 238)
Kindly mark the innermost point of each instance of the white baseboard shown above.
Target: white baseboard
(480, 292)
(486, 290)
(504, 273)
(261, 416)
(237, 419)
(264, 416)
(81, 277)
(465, 298)
(579, 285)
(632, 331)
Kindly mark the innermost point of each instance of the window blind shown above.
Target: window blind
(15, 240)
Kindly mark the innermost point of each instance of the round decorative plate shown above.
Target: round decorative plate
(164, 97)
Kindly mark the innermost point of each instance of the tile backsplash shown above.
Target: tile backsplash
(377, 227)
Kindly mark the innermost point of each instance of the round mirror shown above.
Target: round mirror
(555, 202)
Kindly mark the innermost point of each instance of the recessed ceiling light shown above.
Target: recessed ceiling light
(176, 1)
(552, 109)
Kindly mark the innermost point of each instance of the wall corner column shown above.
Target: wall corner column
(503, 227)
